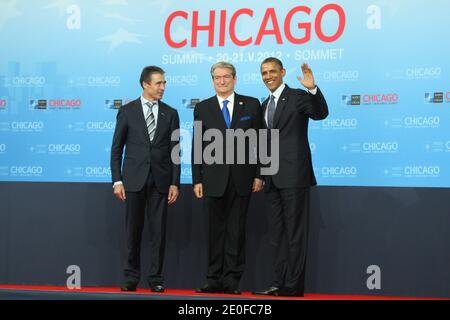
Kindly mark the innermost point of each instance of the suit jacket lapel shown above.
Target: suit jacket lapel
(281, 103)
(162, 121)
(217, 113)
(264, 108)
(238, 110)
(139, 117)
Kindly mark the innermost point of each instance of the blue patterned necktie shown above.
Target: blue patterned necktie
(226, 113)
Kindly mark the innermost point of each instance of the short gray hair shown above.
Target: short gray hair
(223, 64)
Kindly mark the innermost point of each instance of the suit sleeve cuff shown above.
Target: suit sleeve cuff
(313, 91)
(117, 183)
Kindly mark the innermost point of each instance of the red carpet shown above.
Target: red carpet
(181, 293)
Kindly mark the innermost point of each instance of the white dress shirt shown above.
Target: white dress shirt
(230, 104)
(145, 108)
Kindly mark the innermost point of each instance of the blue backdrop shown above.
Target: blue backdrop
(383, 66)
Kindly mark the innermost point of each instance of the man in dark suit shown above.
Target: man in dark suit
(149, 179)
(289, 111)
(226, 185)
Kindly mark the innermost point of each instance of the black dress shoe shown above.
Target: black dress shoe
(128, 287)
(157, 288)
(231, 291)
(209, 289)
(268, 292)
(289, 292)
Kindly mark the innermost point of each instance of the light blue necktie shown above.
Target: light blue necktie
(226, 113)
(271, 111)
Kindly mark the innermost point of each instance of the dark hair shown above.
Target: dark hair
(274, 60)
(147, 72)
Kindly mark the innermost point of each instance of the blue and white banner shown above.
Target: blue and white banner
(66, 66)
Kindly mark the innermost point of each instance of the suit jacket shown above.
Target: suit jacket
(214, 177)
(141, 155)
(294, 108)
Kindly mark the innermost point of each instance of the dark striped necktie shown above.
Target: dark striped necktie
(150, 120)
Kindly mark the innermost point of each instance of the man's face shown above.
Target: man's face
(154, 89)
(224, 81)
(272, 75)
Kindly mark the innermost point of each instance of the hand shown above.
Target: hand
(198, 190)
(173, 194)
(119, 192)
(308, 77)
(257, 185)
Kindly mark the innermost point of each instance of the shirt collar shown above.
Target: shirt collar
(144, 101)
(230, 99)
(277, 93)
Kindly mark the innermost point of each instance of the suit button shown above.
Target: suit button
(148, 162)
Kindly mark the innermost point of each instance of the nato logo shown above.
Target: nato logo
(434, 97)
(351, 100)
(113, 104)
(38, 104)
(189, 103)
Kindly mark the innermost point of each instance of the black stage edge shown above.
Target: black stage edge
(46, 227)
